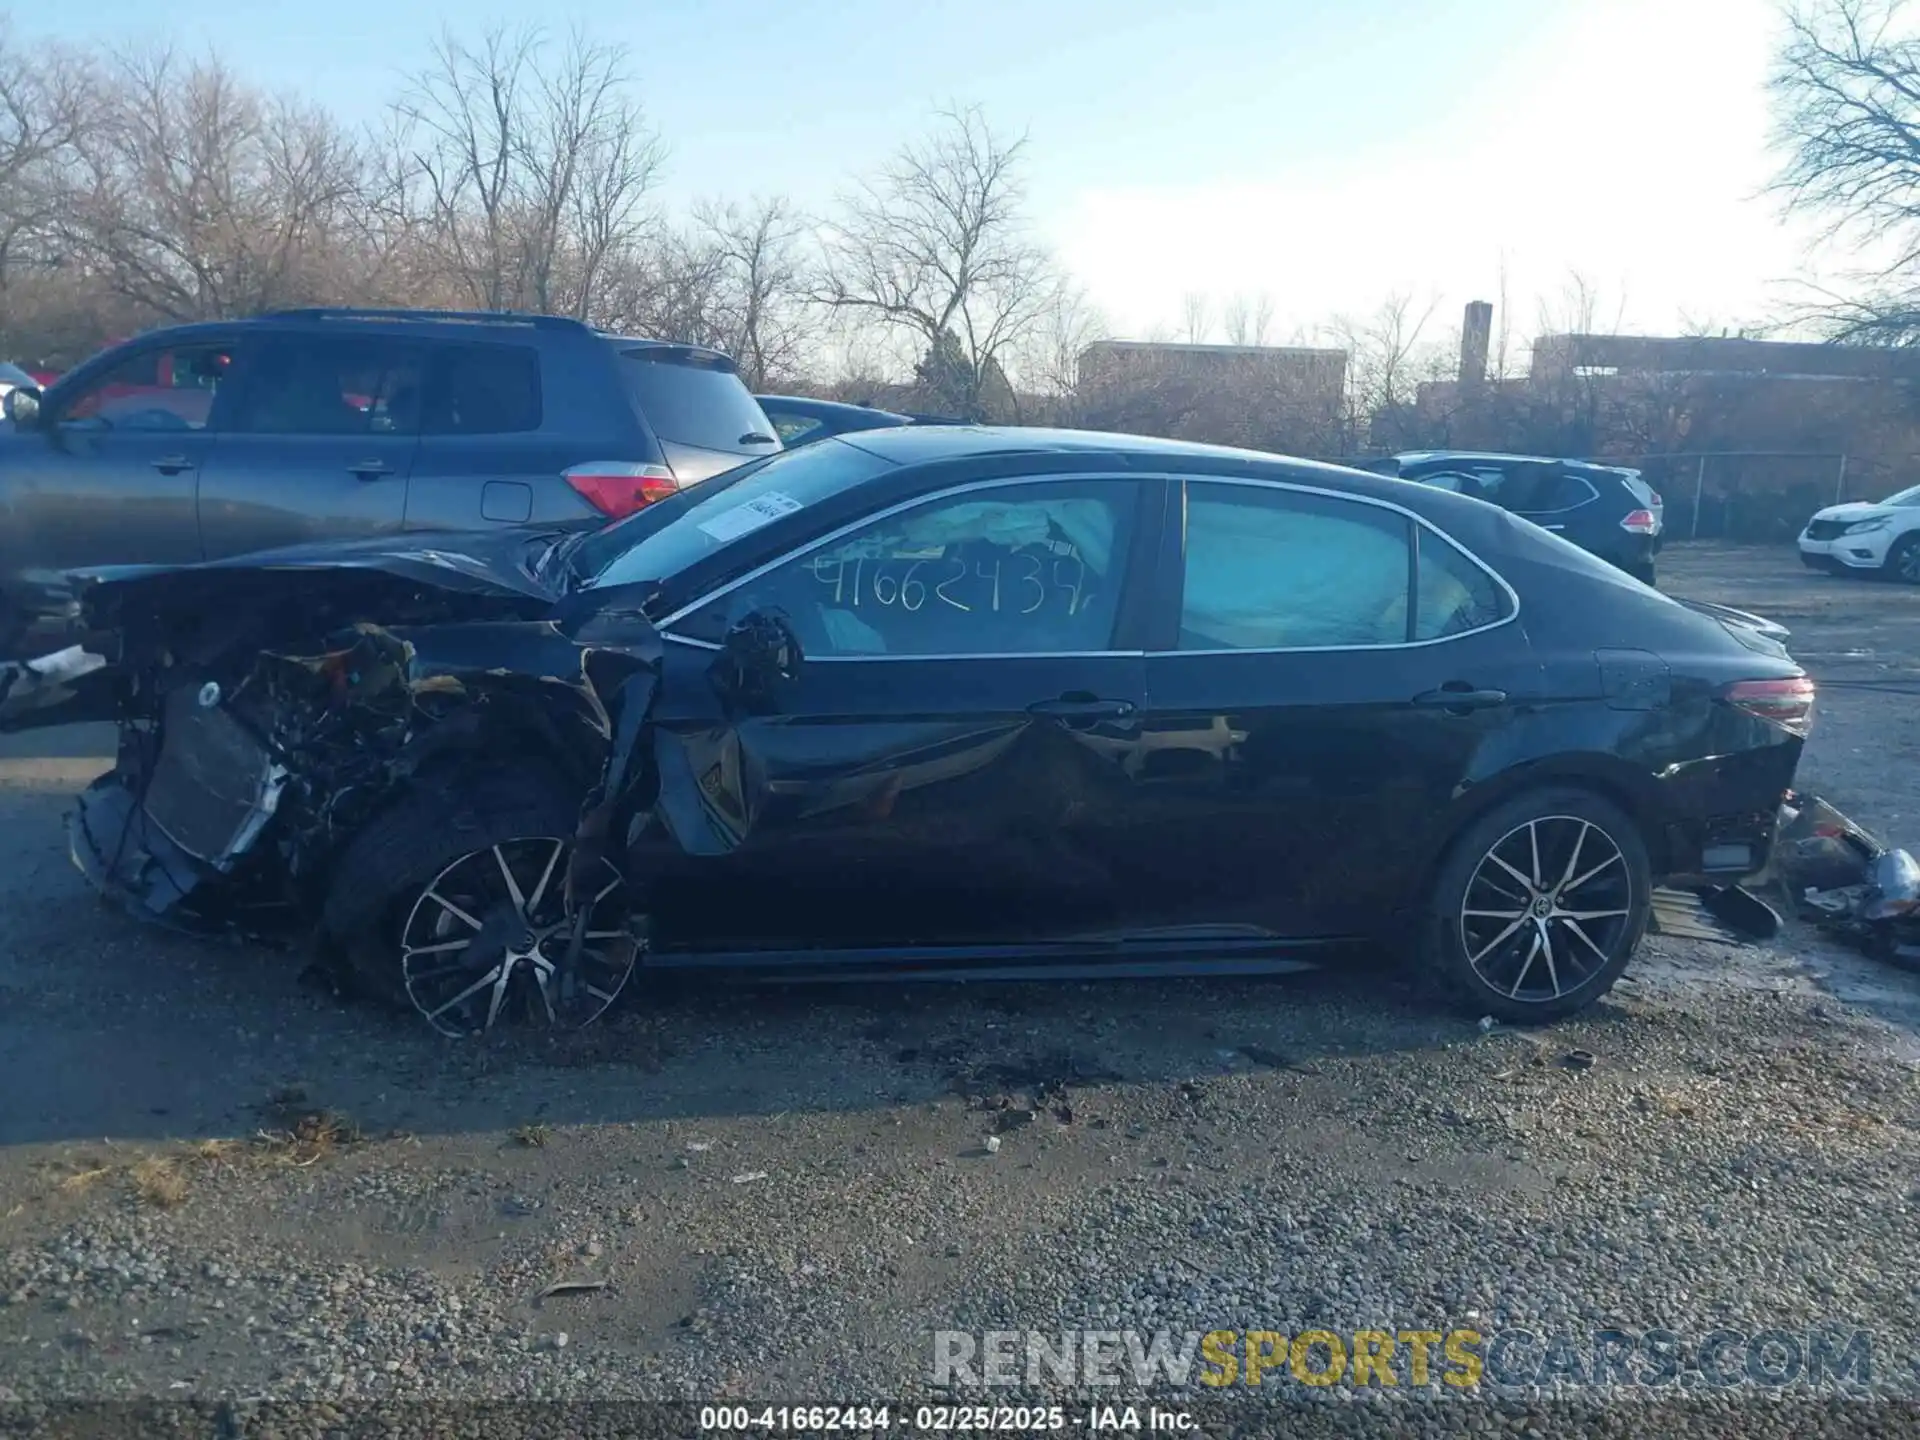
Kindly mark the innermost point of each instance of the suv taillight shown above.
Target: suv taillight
(1786, 703)
(1641, 522)
(617, 488)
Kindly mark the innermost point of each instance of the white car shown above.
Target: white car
(1877, 535)
(12, 376)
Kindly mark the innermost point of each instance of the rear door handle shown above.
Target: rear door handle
(1083, 707)
(172, 464)
(1461, 698)
(370, 469)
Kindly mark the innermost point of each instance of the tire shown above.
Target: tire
(1641, 570)
(1492, 963)
(1903, 560)
(428, 873)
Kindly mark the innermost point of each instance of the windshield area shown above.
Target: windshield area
(665, 539)
(1904, 498)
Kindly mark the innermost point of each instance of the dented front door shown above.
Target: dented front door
(899, 802)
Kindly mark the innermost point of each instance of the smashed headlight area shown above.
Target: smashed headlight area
(425, 804)
(1847, 881)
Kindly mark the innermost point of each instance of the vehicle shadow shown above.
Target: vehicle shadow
(109, 1028)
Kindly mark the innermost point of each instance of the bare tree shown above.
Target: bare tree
(534, 176)
(49, 97)
(1247, 320)
(1047, 362)
(1196, 318)
(766, 285)
(935, 248)
(1385, 360)
(197, 196)
(1846, 88)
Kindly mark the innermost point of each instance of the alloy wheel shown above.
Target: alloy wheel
(1547, 909)
(487, 941)
(1906, 562)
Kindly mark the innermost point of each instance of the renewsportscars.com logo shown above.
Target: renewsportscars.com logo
(1457, 1358)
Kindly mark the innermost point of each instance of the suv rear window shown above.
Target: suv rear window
(692, 397)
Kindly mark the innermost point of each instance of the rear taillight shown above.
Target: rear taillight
(617, 488)
(1786, 703)
(1641, 522)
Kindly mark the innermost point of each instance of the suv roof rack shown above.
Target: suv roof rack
(458, 317)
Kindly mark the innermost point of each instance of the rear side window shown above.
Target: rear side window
(694, 398)
(1273, 569)
(1455, 595)
(482, 390)
(332, 385)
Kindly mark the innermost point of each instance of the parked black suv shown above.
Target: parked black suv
(203, 441)
(1604, 509)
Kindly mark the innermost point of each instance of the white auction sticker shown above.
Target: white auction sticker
(745, 519)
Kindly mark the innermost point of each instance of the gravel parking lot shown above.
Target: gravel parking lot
(217, 1180)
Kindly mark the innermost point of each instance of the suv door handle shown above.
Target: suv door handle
(1083, 707)
(1460, 698)
(370, 469)
(172, 464)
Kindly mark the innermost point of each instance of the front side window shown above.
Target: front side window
(1028, 569)
(1274, 569)
(166, 389)
(332, 385)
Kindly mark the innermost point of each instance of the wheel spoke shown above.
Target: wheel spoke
(1573, 860)
(1497, 941)
(1575, 926)
(1521, 978)
(452, 909)
(497, 975)
(1533, 844)
(499, 995)
(513, 885)
(540, 890)
(1516, 874)
(1589, 914)
(1553, 971)
(441, 949)
(1573, 885)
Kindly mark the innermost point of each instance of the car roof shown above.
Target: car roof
(1446, 457)
(923, 445)
(440, 324)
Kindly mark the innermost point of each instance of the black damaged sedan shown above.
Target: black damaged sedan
(931, 703)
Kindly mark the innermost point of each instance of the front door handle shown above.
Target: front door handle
(1083, 707)
(1460, 698)
(370, 469)
(172, 464)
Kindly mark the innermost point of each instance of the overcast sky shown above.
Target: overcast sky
(1325, 153)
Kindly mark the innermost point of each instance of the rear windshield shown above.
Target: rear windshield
(693, 398)
(724, 511)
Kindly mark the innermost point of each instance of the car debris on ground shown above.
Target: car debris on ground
(1847, 881)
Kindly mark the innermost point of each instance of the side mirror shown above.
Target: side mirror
(758, 658)
(23, 406)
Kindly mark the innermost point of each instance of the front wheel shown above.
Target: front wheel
(453, 903)
(1537, 908)
(1903, 560)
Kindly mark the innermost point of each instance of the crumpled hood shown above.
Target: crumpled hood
(487, 562)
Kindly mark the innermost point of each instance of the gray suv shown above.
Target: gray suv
(203, 441)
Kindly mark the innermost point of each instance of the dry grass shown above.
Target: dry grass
(157, 1181)
(83, 1180)
(531, 1136)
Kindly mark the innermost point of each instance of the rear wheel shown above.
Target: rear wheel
(1641, 570)
(1538, 907)
(1903, 560)
(453, 904)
